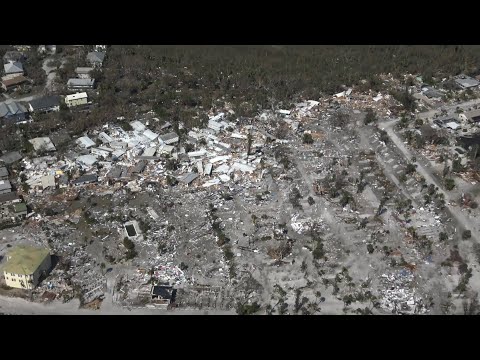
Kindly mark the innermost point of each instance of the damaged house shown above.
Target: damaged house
(170, 138)
(5, 186)
(83, 72)
(95, 58)
(3, 173)
(42, 144)
(14, 83)
(85, 179)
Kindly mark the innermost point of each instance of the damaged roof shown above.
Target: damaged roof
(11, 157)
(139, 167)
(25, 260)
(168, 137)
(20, 207)
(88, 160)
(11, 196)
(85, 179)
(115, 172)
(42, 143)
(3, 171)
(188, 178)
(96, 57)
(17, 80)
(85, 141)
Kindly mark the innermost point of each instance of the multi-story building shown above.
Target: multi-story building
(76, 99)
(25, 265)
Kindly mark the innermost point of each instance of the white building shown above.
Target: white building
(76, 99)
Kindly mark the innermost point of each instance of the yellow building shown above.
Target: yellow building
(25, 265)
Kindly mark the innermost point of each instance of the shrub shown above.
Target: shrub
(171, 181)
(228, 253)
(449, 184)
(171, 164)
(319, 252)
(410, 168)
(384, 136)
(247, 309)
(370, 248)
(443, 236)
(129, 245)
(370, 116)
(467, 234)
(131, 254)
(307, 138)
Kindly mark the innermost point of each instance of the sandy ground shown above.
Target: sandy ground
(17, 306)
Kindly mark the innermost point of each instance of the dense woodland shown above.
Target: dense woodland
(264, 75)
(181, 82)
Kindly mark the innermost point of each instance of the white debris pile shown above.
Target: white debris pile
(399, 293)
(169, 273)
(301, 226)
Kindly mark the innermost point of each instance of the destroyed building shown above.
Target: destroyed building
(42, 144)
(5, 186)
(85, 179)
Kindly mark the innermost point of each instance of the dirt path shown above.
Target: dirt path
(464, 106)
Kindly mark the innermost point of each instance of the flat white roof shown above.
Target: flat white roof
(76, 96)
(452, 125)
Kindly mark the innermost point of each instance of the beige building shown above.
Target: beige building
(76, 99)
(25, 265)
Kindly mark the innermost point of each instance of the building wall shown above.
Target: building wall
(45, 110)
(11, 87)
(76, 102)
(96, 65)
(15, 280)
(21, 213)
(14, 118)
(11, 76)
(80, 87)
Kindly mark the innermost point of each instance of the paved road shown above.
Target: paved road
(49, 85)
(464, 106)
(461, 219)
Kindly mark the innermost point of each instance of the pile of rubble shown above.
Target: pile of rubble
(398, 294)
